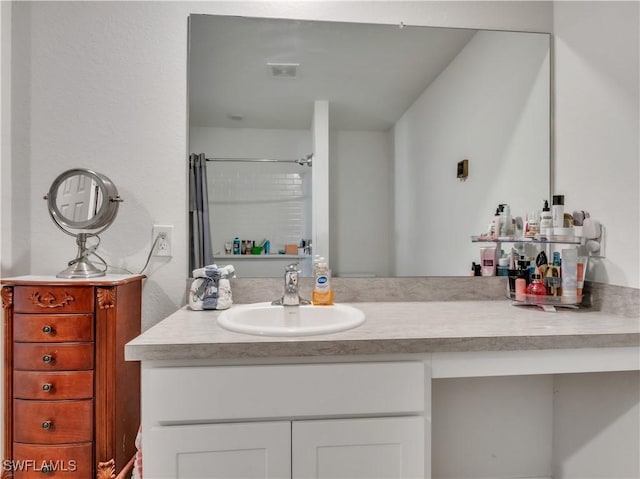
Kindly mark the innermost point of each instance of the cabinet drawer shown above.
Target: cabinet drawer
(291, 390)
(53, 356)
(53, 385)
(68, 461)
(52, 422)
(52, 327)
(53, 299)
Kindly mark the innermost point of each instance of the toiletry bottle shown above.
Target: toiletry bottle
(569, 258)
(236, 245)
(523, 268)
(506, 226)
(521, 289)
(503, 266)
(533, 224)
(488, 260)
(557, 211)
(546, 219)
(537, 286)
(322, 293)
(553, 277)
(495, 224)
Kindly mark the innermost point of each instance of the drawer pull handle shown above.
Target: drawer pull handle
(47, 387)
(46, 469)
(47, 424)
(47, 358)
(47, 329)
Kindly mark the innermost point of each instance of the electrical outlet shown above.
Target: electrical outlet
(164, 233)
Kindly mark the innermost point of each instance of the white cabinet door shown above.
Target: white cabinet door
(219, 451)
(359, 448)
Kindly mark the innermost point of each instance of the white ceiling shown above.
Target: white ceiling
(370, 74)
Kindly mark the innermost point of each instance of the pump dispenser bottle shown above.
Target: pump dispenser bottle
(546, 219)
(322, 291)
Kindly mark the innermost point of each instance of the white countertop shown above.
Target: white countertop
(395, 327)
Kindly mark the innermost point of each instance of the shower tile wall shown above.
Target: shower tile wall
(257, 201)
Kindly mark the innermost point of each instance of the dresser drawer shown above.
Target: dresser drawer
(53, 356)
(52, 422)
(52, 327)
(53, 385)
(220, 393)
(67, 461)
(53, 299)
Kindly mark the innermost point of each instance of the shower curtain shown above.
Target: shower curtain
(200, 250)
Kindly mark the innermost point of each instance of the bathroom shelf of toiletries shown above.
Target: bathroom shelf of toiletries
(271, 256)
(537, 280)
(544, 274)
(542, 240)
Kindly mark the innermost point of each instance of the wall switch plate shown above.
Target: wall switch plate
(163, 246)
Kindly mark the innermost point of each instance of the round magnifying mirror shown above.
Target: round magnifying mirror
(83, 203)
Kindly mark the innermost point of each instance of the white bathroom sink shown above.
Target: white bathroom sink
(268, 320)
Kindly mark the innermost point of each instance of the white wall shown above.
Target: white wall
(361, 166)
(596, 70)
(489, 108)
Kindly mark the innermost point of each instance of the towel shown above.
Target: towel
(211, 288)
(136, 473)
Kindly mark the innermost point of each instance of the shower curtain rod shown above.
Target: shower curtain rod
(307, 160)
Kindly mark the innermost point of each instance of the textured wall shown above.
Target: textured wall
(597, 146)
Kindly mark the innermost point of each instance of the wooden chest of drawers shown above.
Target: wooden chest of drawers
(72, 403)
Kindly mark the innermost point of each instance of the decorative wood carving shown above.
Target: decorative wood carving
(106, 298)
(106, 470)
(49, 300)
(7, 297)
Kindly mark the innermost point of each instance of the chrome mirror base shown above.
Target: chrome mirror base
(82, 268)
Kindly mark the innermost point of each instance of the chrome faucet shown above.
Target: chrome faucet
(291, 296)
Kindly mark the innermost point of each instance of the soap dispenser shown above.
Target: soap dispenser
(322, 291)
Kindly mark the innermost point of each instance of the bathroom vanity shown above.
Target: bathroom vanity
(351, 404)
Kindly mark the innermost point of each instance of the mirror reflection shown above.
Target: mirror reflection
(406, 104)
(78, 198)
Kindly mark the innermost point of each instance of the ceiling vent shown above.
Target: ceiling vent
(284, 70)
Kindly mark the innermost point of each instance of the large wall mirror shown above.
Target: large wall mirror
(406, 104)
